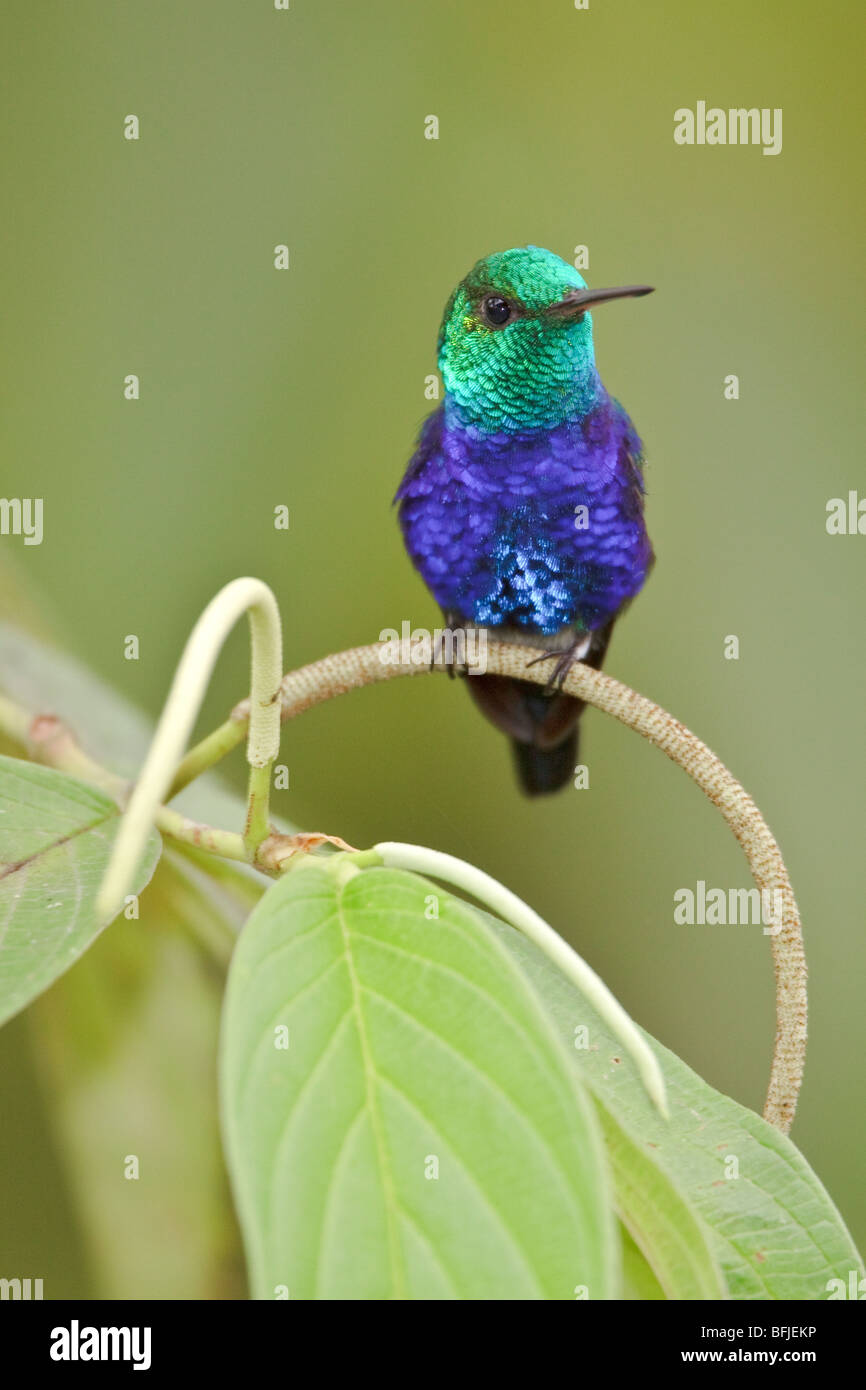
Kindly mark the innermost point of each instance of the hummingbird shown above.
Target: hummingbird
(523, 504)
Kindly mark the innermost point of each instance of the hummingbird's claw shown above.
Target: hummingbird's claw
(564, 662)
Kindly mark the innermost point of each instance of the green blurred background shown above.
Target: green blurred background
(306, 388)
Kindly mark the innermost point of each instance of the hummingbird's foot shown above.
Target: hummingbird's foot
(564, 662)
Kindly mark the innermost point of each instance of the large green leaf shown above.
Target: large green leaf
(55, 840)
(775, 1231)
(415, 1047)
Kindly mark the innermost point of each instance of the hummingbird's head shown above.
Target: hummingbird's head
(515, 346)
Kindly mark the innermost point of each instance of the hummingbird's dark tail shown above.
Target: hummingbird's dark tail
(542, 724)
(542, 728)
(542, 770)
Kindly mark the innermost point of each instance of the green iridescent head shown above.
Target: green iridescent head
(515, 346)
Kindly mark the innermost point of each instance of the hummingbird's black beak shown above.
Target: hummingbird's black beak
(576, 302)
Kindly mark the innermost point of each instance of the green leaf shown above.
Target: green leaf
(55, 840)
(423, 1135)
(773, 1228)
(661, 1222)
(126, 1045)
(639, 1284)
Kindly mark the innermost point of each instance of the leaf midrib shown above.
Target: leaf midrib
(19, 864)
(398, 1271)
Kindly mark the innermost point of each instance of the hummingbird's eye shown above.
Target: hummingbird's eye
(495, 310)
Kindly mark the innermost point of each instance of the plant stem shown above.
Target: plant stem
(209, 751)
(50, 741)
(257, 827)
(228, 844)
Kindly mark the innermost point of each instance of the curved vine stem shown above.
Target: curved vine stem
(180, 712)
(360, 666)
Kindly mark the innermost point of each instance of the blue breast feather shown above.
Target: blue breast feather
(494, 523)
